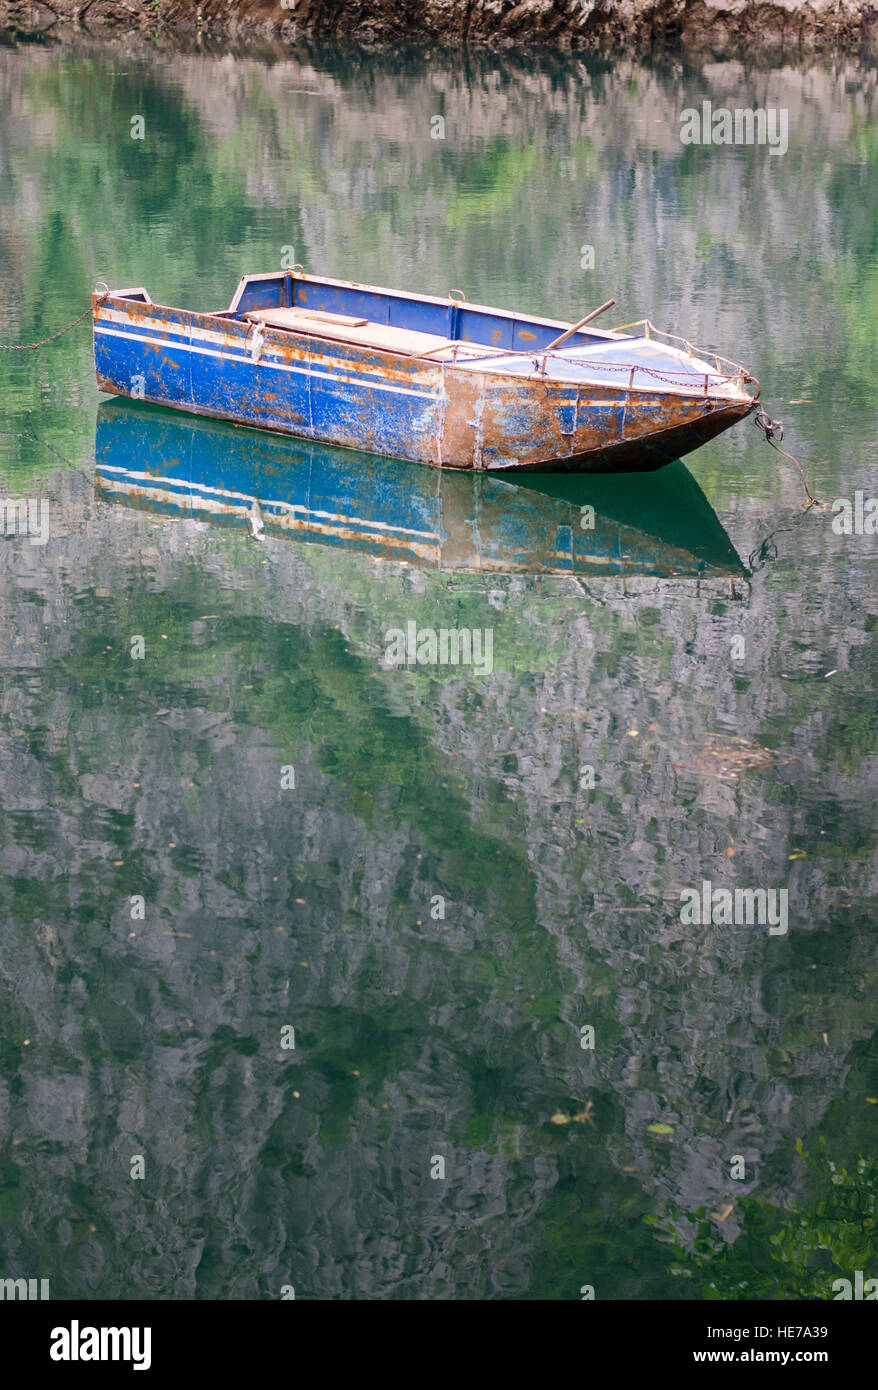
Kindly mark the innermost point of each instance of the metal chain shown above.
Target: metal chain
(28, 347)
(677, 379)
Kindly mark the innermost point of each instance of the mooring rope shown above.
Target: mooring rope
(29, 347)
(774, 429)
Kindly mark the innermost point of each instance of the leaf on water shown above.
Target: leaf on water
(724, 1212)
(661, 1129)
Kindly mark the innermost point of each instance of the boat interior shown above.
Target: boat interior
(472, 336)
(410, 325)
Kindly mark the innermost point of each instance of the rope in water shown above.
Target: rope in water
(29, 347)
(774, 429)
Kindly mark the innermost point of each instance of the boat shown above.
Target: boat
(430, 380)
(277, 490)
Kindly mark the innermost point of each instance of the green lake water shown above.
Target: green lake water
(463, 871)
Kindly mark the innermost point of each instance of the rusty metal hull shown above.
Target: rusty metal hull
(646, 453)
(608, 402)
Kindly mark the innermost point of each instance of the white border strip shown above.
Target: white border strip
(177, 346)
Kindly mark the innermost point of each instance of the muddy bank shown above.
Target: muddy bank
(722, 28)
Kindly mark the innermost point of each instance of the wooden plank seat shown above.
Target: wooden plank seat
(343, 328)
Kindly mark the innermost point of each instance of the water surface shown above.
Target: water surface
(421, 790)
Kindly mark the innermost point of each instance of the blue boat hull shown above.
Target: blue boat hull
(607, 402)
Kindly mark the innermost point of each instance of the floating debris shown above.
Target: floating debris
(724, 1212)
(725, 757)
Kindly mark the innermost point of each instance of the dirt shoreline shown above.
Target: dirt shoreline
(722, 28)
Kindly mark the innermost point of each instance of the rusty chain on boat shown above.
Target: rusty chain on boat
(29, 347)
(675, 379)
(772, 429)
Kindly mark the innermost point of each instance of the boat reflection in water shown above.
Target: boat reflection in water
(164, 462)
